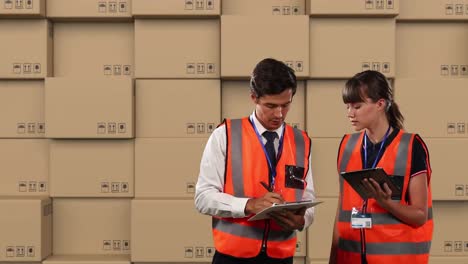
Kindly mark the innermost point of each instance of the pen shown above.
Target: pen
(266, 186)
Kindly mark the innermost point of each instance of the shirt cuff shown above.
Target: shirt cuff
(238, 207)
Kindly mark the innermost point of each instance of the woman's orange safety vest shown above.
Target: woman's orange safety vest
(389, 240)
(246, 167)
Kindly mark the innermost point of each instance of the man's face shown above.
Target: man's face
(271, 110)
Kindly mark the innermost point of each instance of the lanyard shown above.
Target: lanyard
(280, 150)
(380, 150)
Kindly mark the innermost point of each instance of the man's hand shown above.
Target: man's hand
(256, 205)
(290, 220)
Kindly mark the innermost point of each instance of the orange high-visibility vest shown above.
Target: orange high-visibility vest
(246, 167)
(389, 240)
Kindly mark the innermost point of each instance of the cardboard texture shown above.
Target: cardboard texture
(264, 7)
(25, 167)
(319, 234)
(86, 226)
(88, 259)
(89, 107)
(447, 260)
(432, 50)
(156, 160)
(107, 51)
(25, 48)
(198, 114)
(164, 8)
(92, 168)
(26, 229)
(26, 8)
(238, 58)
(381, 8)
(433, 10)
(177, 48)
(326, 177)
(22, 109)
(370, 45)
(236, 102)
(89, 9)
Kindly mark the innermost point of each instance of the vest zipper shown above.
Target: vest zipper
(265, 236)
(363, 237)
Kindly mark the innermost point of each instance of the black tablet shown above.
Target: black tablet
(355, 178)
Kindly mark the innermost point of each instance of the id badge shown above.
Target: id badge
(360, 220)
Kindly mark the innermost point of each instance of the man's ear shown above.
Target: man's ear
(253, 97)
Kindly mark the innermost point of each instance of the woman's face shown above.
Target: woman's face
(363, 114)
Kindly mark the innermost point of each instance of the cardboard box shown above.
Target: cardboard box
(26, 228)
(108, 51)
(236, 102)
(432, 50)
(155, 163)
(25, 167)
(26, 8)
(89, 9)
(450, 237)
(448, 121)
(370, 45)
(151, 8)
(22, 109)
(325, 173)
(433, 10)
(326, 112)
(381, 8)
(91, 226)
(264, 7)
(242, 47)
(197, 115)
(89, 107)
(92, 168)
(299, 260)
(177, 48)
(319, 234)
(196, 245)
(448, 260)
(88, 259)
(25, 49)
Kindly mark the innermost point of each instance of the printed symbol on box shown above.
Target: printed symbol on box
(21, 128)
(295, 10)
(209, 5)
(22, 186)
(299, 67)
(210, 68)
(448, 246)
(458, 246)
(27, 68)
(190, 68)
(117, 244)
(295, 125)
(276, 10)
(101, 128)
(454, 70)
(449, 9)
(41, 128)
(461, 128)
(31, 128)
(389, 4)
(124, 187)
(444, 70)
(188, 252)
(107, 70)
(37, 68)
(188, 5)
(111, 128)
(191, 187)
(126, 244)
(29, 4)
(286, 10)
(19, 4)
(464, 70)
(365, 66)
(30, 251)
(20, 251)
(106, 245)
(210, 251)
(290, 64)
(200, 128)
(104, 187)
(466, 246)
(42, 186)
(200, 4)
(199, 252)
(385, 67)
(459, 9)
(117, 69)
(122, 127)
(298, 247)
(369, 4)
(115, 187)
(210, 127)
(191, 128)
(376, 66)
(200, 68)
(451, 128)
(112, 7)
(102, 7)
(459, 190)
(126, 70)
(10, 252)
(379, 4)
(122, 7)
(32, 186)
(8, 4)
(16, 68)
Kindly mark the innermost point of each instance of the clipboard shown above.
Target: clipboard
(355, 178)
(279, 207)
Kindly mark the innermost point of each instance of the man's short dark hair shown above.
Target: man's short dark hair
(272, 77)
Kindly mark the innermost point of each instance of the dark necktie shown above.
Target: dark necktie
(270, 147)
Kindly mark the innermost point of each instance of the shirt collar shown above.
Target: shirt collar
(262, 129)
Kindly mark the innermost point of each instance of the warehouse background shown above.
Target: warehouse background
(105, 108)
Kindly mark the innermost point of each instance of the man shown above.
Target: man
(249, 164)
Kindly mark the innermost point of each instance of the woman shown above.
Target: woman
(397, 229)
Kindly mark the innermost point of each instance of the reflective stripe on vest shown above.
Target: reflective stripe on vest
(252, 232)
(399, 248)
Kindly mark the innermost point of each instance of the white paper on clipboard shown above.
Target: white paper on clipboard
(264, 214)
